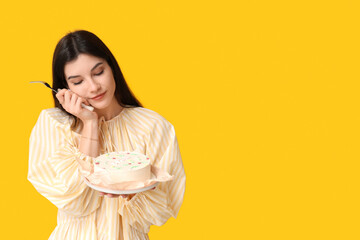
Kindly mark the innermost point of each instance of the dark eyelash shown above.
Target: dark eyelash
(77, 83)
(99, 73)
(95, 74)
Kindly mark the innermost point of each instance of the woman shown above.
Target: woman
(66, 138)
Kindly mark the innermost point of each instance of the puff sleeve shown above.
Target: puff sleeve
(155, 207)
(54, 167)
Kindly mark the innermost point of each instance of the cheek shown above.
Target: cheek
(110, 82)
(79, 90)
(113, 83)
(113, 86)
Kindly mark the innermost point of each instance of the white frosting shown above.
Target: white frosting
(123, 166)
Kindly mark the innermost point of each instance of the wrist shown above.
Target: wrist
(91, 123)
(90, 129)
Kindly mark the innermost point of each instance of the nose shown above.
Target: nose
(94, 86)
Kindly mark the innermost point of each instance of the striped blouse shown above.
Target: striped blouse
(55, 172)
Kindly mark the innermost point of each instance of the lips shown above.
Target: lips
(98, 97)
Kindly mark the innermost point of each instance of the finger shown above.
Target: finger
(62, 91)
(86, 102)
(67, 97)
(73, 100)
(60, 98)
(73, 104)
(60, 95)
(78, 107)
(82, 100)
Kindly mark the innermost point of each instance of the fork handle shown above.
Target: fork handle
(90, 108)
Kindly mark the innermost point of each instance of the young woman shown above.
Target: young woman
(66, 138)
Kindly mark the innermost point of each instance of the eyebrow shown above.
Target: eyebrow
(91, 70)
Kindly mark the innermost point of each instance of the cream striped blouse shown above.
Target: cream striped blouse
(54, 170)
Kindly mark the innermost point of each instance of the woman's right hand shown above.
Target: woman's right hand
(71, 102)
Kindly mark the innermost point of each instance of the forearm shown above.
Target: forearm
(145, 209)
(89, 142)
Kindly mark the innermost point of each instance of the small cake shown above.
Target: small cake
(123, 166)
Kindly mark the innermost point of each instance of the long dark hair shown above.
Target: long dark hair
(68, 49)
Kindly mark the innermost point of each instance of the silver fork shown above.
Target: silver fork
(90, 108)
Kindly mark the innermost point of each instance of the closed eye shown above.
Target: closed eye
(77, 83)
(97, 74)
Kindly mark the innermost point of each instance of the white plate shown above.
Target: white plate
(128, 191)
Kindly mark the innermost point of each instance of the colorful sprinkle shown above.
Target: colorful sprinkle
(122, 160)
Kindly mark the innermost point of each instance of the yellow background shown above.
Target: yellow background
(263, 96)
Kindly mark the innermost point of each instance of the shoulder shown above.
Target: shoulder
(55, 116)
(51, 124)
(147, 118)
(146, 115)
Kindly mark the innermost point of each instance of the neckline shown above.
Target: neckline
(102, 119)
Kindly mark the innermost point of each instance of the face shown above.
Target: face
(91, 77)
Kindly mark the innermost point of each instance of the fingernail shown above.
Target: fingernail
(58, 89)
